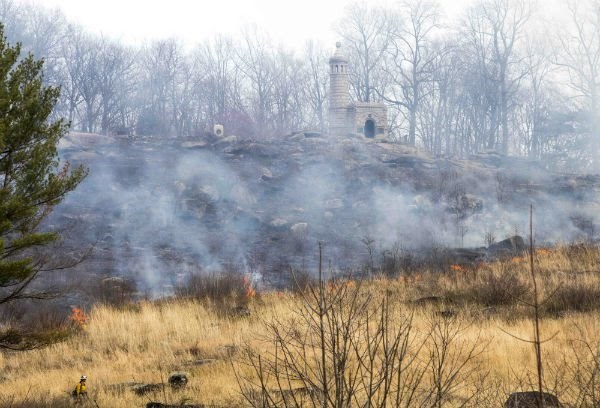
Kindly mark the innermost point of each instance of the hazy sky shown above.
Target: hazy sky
(289, 22)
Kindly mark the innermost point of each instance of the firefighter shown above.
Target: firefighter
(80, 391)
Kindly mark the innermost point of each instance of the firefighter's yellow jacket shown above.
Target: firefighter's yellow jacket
(80, 389)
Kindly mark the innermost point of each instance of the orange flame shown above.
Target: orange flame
(457, 268)
(78, 316)
(250, 291)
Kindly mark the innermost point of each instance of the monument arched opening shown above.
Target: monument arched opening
(369, 128)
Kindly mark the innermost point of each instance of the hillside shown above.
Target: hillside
(157, 210)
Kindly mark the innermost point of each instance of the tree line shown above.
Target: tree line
(500, 77)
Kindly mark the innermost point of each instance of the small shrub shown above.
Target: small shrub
(489, 288)
(110, 290)
(301, 281)
(576, 296)
(498, 290)
(228, 293)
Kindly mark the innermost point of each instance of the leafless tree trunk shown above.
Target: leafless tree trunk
(366, 32)
(410, 58)
(494, 29)
(579, 57)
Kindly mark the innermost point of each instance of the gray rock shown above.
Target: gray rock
(464, 255)
(266, 175)
(227, 140)
(178, 380)
(143, 389)
(198, 144)
(512, 245)
(300, 228)
(201, 361)
(278, 222)
(529, 399)
(312, 134)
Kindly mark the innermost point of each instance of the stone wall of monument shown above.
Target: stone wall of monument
(375, 111)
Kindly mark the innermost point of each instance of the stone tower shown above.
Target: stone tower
(339, 92)
(347, 117)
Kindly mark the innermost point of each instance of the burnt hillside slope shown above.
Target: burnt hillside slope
(159, 209)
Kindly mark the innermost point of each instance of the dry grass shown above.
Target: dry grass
(145, 342)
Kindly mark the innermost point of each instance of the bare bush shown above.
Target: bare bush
(489, 288)
(346, 347)
(450, 362)
(116, 291)
(577, 296)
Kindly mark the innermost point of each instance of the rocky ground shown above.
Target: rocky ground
(157, 210)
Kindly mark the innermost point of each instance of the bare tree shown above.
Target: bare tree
(161, 62)
(317, 92)
(89, 84)
(410, 59)
(535, 98)
(43, 33)
(367, 32)
(288, 92)
(72, 69)
(255, 60)
(115, 68)
(12, 17)
(218, 91)
(494, 29)
(579, 57)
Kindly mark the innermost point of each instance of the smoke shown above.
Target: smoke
(158, 213)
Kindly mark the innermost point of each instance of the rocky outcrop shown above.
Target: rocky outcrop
(143, 389)
(151, 206)
(532, 399)
(514, 245)
(178, 380)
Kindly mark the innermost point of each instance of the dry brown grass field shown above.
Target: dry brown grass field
(485, 306)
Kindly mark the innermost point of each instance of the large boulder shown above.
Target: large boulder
(178, 380)
(300, 229)
(531, 399)
(143, 389)
(512, 245)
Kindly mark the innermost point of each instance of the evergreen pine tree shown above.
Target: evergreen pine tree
(32, 179)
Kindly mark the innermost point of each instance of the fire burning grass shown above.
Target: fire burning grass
(144, 342)
(79, 317)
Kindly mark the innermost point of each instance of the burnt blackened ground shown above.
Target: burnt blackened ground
(157, 211)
